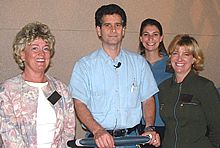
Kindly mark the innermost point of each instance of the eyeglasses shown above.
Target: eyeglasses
(37, 48)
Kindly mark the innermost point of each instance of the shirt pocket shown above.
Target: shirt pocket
(192, 110)
(163, 112)
(133, 96)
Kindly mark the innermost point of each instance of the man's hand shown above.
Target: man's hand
(103, 139)
(155, 141)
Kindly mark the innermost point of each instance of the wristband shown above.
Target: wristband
(149, 128)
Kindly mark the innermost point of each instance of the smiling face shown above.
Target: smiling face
(111, 31)
(182, 60)
(36, 57)
(151, 38)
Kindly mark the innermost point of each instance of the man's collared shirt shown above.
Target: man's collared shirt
(113, 95)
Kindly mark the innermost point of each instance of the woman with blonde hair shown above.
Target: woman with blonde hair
(36, 110)
(189, 102)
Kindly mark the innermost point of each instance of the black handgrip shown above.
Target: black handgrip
(119, 141)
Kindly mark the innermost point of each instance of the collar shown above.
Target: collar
(107, 58)
(188, 79)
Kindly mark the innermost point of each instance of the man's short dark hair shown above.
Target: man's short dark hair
(109, 10)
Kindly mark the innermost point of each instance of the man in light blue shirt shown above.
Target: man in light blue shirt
(110, 84)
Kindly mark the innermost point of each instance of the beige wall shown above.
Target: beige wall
(72, 22)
